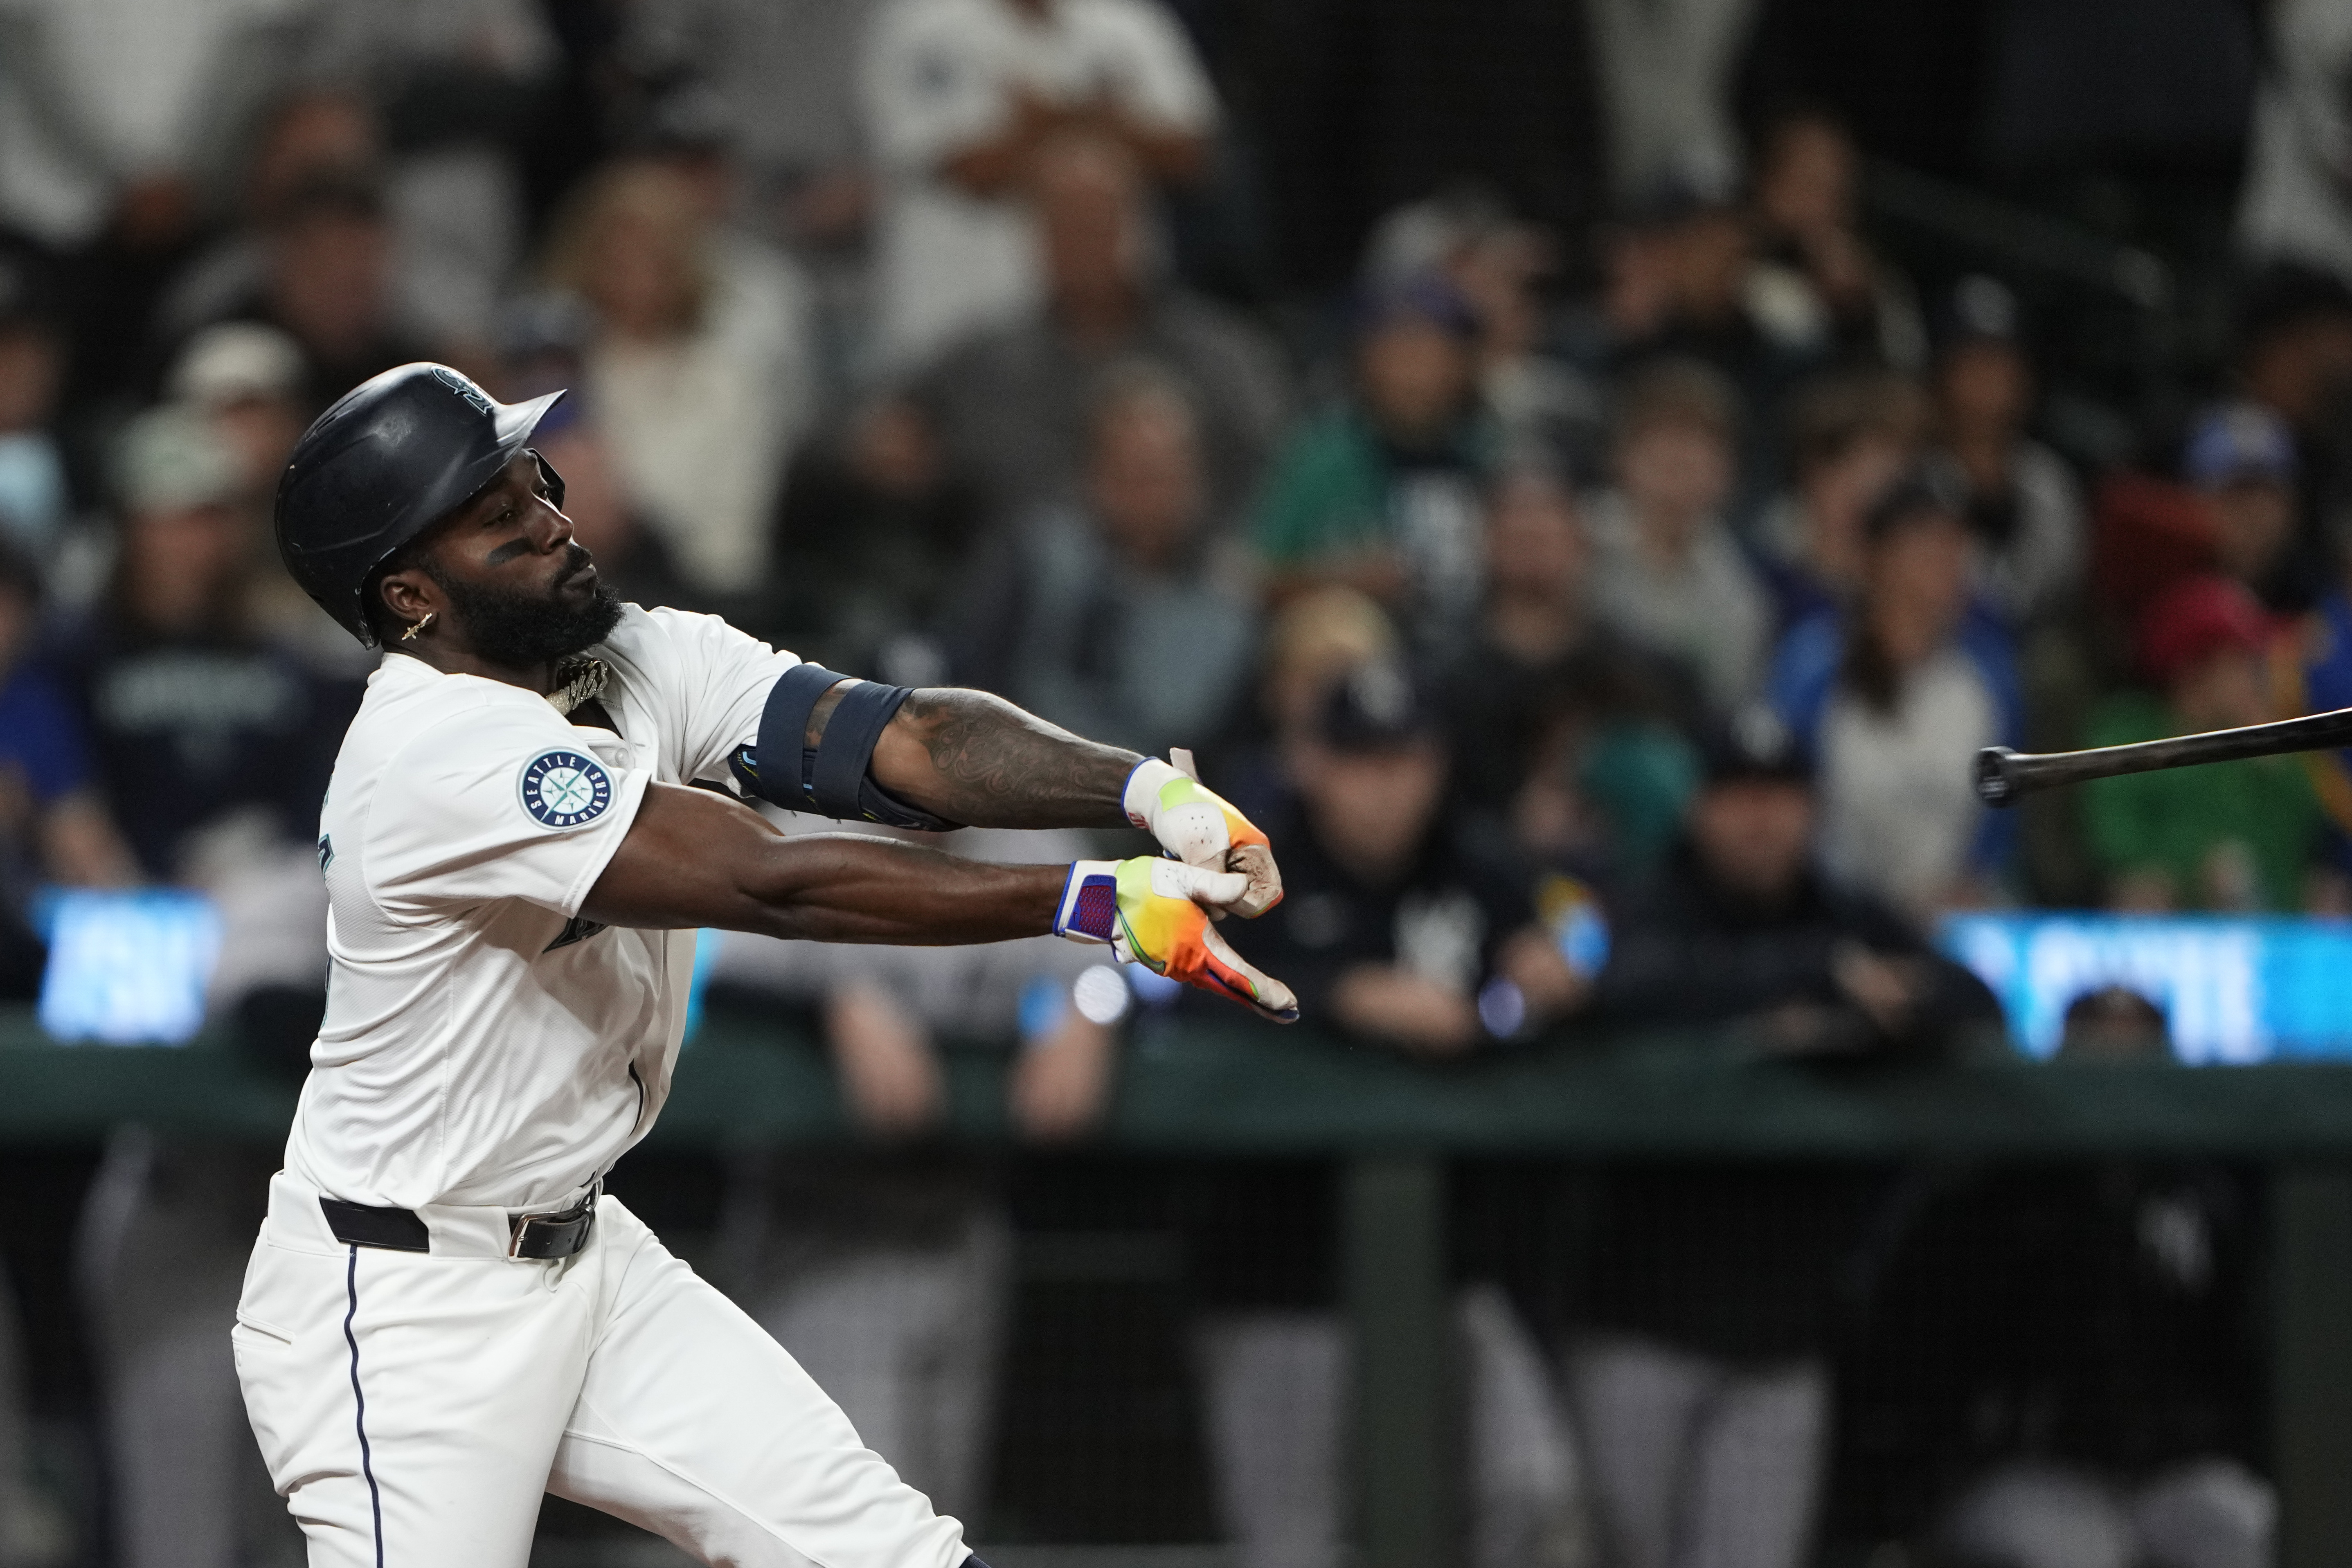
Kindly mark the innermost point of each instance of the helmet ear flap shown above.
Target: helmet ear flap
(555, 480)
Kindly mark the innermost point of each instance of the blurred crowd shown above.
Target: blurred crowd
(1602, 622)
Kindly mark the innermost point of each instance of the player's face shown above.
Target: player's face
(509, 539)
(517, 589)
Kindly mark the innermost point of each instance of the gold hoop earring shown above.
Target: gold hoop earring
(415, 627)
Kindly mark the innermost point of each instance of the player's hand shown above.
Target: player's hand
(1155, 912)
(1201, 829)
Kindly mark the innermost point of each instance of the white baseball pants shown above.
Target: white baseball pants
(412, 1407)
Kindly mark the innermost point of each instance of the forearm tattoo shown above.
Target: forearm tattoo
(1000, 767)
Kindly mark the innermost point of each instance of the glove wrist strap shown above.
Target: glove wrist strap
(1140, 799)
(1089, 910)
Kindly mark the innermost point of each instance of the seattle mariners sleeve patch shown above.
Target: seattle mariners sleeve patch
(565, 789)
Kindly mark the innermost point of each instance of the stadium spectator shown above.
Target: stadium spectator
(455, 88)
(2023, 503)
(692, 392)
(1541, 404)
(2234, 835)
(2293, 206)
(166, 672)
(2240, 457)
(1671, 578)
(1849, 435)
(247, 378)
(1698, 1367)
(959, 95)
(876, 531)
(1666, 74)
(328, 277)
(1012, 401)
(1379, 492)
(784, 74)
(1700, 252)
(127, 118)
(1081, 614)
(1310, 642)
(1895, 697)
(2295, 358)
(1815, 278)
(760, 298)
(1400, 929)
(35, 501)
(1746, 925)
(1546, 687)
(54, 826)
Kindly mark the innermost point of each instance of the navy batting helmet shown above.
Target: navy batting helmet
(394, 455)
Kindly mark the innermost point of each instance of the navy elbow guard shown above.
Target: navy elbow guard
(831, 777)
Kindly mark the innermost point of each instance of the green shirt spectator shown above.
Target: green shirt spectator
(1379, 493)
(2224, 836)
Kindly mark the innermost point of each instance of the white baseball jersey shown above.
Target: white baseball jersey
(483, 1042)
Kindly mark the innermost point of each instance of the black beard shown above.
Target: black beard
(518, 631)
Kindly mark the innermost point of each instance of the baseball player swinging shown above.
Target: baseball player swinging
(443, 1316)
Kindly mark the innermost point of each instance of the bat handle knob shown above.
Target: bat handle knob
(1996, 779)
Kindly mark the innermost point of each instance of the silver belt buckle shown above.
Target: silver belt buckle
(518, 1225)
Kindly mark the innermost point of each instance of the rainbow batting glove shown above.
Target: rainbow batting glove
(1155, 912)
(1202, 829)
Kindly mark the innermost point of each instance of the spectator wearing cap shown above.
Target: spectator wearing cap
(2233, 836)
(958, 96)
(1379, 492)
(1560, 721)
(1541, 404)
(34, 502)
(1082, 613)
(1852, 433)
(247, 378)
(1698, 1355)
(2240, 457)
(2023, 503)
(1012, 402)
(1400, 930)
(1670, 576)
(172, 680)
(1893, 698)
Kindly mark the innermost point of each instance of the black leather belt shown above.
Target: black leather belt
(559, 1234)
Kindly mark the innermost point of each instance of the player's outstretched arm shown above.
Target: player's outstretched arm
(693, 858)
(973, 758)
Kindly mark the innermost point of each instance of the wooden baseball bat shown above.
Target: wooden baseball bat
(2002, 776)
